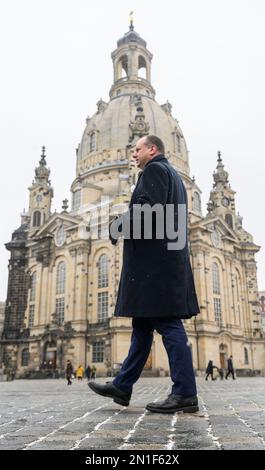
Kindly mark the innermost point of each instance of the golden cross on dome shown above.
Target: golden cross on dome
(131, 20)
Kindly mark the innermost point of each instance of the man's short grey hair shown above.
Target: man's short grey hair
(154, 140)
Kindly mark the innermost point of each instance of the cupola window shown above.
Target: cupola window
(123, 67)
(92, 142)
(142, 68)
(178, 145)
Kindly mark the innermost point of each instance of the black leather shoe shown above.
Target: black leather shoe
(173, 404)
(109, 390)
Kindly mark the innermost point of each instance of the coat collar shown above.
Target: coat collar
(158, 158)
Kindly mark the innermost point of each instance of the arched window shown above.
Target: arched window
(178, 145)
(60, 291)
(25, 357)
(142, 73)
(102, 289)
(216, 278)
(32, 298)
(196, 202)
(33, 282)
(217, 294)
(238, 295)
(92, 142)
(217, 310)
(103, 271)
(237, 288)
(60, 278)
(103, 306)
(123, 67)
(245, 356)
(59, 309)
(36, 219)
(229, 220)
(76, 201)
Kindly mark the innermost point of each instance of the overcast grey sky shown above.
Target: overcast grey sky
(209, 62)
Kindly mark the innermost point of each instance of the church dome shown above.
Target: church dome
(111, 126)
(104, 159)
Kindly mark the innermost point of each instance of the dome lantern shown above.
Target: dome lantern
(132, 65)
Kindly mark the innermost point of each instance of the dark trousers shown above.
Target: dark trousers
(230, 371)
(176, 344)
(209, 373)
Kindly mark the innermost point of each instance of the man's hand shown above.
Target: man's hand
(113, 240)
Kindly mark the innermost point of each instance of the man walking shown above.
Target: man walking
(156, 286)
(68, 372)
(88, 372)
(230, 368)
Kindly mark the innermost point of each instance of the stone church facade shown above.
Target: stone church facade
(64, 272)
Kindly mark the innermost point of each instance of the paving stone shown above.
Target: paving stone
(46, 414)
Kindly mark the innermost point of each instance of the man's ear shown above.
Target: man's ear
(153, 150)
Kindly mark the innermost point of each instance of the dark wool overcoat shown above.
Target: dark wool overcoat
(155, 281)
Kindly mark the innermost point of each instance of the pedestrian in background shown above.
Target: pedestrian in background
(93, 372)
(88, 372)
(80, 372)
(68, 372)
(209, 370)
(230, 368)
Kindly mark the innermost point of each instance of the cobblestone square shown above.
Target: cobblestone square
(48, 414)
